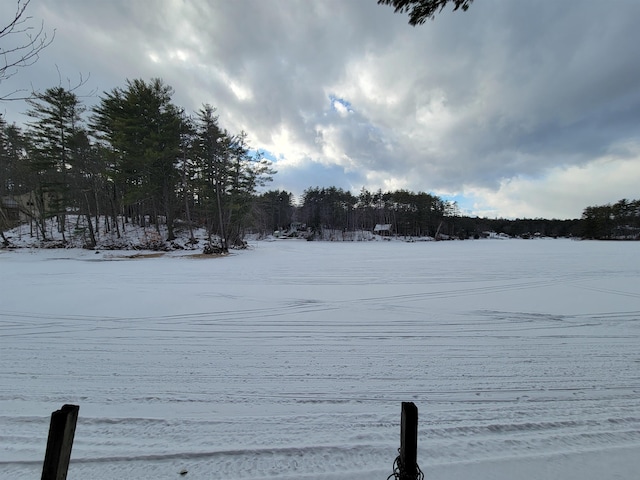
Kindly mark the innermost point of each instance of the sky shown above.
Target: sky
(514, 109)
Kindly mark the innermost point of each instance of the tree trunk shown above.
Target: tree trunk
(92, 236)
(187, 210)
(168, 214)
(223, 238)
(5, 221)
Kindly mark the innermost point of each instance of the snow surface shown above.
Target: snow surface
(291, 360)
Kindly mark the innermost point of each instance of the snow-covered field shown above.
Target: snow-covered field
(291, 360)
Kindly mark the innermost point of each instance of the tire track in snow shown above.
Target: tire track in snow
(246, 385)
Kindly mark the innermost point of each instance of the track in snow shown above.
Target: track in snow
(291, 360)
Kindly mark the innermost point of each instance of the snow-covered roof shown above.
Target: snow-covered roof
(382, 227)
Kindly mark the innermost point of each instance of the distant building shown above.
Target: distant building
(11, 210)
(383, 229)
(19, 208)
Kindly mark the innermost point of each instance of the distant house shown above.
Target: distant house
(19, 208)
(11, 210)
(297, 227)
(383, 229)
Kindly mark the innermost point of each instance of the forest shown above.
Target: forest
(135, 157)
(138, 158)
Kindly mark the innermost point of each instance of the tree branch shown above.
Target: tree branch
(422, 10)
(25, 53)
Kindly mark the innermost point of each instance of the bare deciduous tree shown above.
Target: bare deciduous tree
(20, 44)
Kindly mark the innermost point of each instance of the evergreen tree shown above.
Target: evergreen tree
(331, 208)
(228, 177)
(276, 210)
(14, 176)
(247, 171)
(210, 169)
(618, 221)
(142, 128)
(56, 123)
(422, 10)
(6, 180)
(187, 170)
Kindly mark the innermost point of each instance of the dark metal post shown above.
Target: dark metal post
(409, 441)
(61, 432)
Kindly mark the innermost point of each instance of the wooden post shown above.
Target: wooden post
(409, 441)
(61, 432)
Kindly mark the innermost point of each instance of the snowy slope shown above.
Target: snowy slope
(290, 360)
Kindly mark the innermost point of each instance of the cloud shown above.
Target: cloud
(563, 192)
(504, 103)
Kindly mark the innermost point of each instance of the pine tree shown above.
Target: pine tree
(6, 180)
(15, 177)
(247, 171)
(210, 143)
(229, 176)
(142, 128)
(422, 10)
(56, 115)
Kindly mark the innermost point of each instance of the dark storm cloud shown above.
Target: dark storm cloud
(498, 104)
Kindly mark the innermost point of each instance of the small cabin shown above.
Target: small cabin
(383, 229)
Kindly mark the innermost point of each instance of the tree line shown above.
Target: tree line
(404, 212)
(619, 221)
(135, 157)
(422, 214)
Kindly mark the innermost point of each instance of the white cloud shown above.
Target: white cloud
(562, 192)
(519, 106)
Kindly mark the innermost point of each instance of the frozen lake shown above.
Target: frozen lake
(291, 359)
